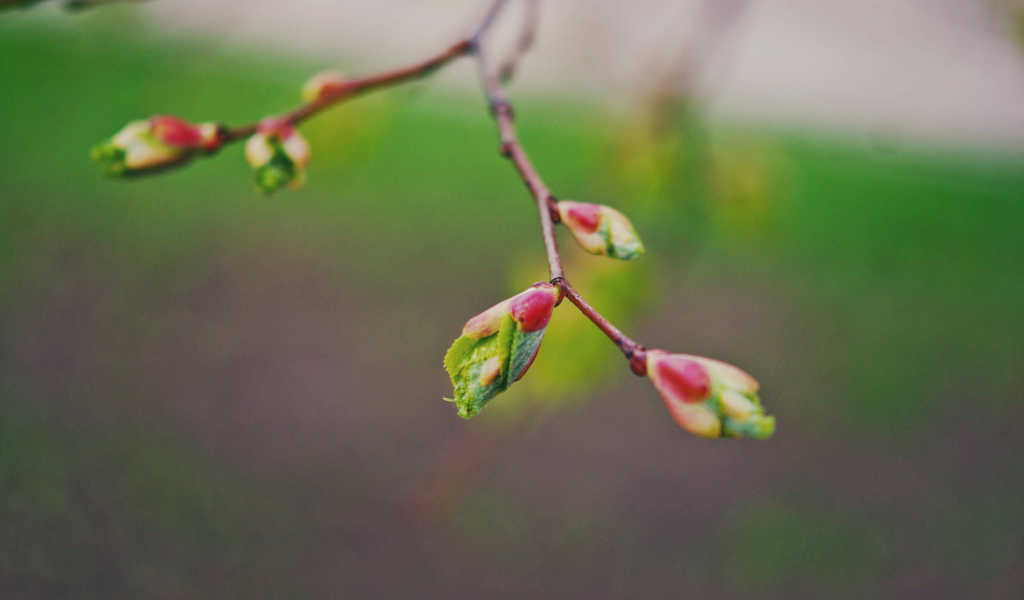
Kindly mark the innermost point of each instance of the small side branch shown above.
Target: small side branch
(359, 86)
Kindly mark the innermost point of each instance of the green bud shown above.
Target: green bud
(153, 144)
(708, 397)
(601, 229)
(278, 155)
(497, 347)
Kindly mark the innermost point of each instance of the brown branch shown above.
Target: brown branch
(513, 150)
(355, 87)
(634, 352)
(510, 146)
(547, 207)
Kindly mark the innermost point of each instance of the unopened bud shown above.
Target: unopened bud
(155, 143)
(532, 308)
(707, 397)
(601, 229)
(323, 84)
(278, 154)
(498, 346)
(486, 323)
(697, 419)
(737, 406)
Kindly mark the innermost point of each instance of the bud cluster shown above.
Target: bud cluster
(159, 142)
(278, 154)
(498, 346)
(709, 398)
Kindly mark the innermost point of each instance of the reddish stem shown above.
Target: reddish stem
(547, 207)
(513, 150)
(362, 85)
(510, 148)
(633, 351)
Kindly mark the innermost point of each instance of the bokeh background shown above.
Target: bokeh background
(208, 393)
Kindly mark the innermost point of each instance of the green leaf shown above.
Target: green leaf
(758, 426)
(110, 159)
(470, 396)
(278, 172)
(524, 346)
(456, 354)
(467, 358)
(506, 336)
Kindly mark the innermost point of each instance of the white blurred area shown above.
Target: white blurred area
(940, 71)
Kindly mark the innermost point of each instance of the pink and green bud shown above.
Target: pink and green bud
(498, 346)
(709, 398)
(532, 309)
(323, 85)
(278, 154)
(486, 323)
(601, 229)
(156, 143)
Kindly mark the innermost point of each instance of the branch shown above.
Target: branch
(708, 398)
(355, 87)
(547, 207)
(531, 18)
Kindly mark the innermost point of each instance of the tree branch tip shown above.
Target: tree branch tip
(638, 360)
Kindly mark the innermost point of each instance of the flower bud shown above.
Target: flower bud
(601, 229)
(323, 84)
(158, 142)
(498, 346)
(709, 398)
(278, 154)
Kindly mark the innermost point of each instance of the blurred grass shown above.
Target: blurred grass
(900, 277)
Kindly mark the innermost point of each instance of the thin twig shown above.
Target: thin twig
(547, 207)
(355, 87)
(501, 108)
(527, 34)
(513, 150)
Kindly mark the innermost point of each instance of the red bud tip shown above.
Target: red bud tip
(172, 131)
(683, 379)
(276, 127)
(532, 309)
(586, 217)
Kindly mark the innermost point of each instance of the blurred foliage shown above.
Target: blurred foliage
(875, 295)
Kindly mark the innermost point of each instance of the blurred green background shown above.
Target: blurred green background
(208, 393)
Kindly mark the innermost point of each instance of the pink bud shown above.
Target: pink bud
(323, 84)
(174, 132)
(728, 376)
(532, 309)
(678, 377)
(181, 135)
(581, 216)
(486, 323)
(276, 127)
(695, 418)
